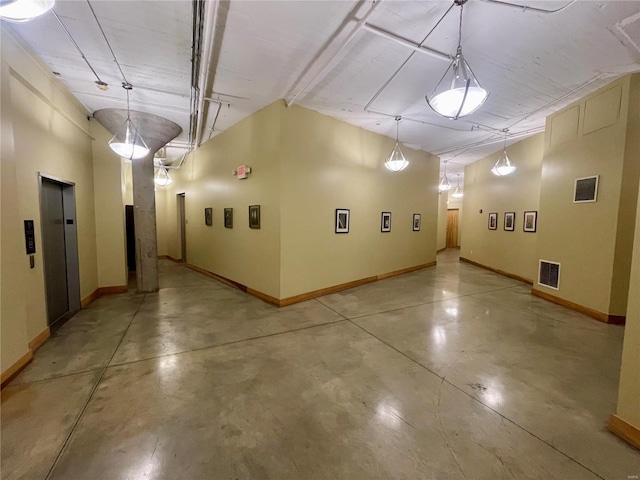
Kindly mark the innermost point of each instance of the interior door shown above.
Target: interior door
(182, 219)
(452, 228)
(54, 250)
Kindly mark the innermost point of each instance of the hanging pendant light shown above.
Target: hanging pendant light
(24, 10)
(162, 177)
(458, 193)
(444, 184)
(504, 166)
(458, 93)
(127, 142)
(396, 161)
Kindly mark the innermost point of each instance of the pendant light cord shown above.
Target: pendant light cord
(460, 28)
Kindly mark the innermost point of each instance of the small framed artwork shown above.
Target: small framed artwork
(385, 222)
(493, 221)
(509, 221)
(208, 216)
(228, 218)
(254, 216)
(342, 220)
(586, 189)
(530, 221)
(417, 220)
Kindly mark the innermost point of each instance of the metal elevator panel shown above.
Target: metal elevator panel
(54, 249)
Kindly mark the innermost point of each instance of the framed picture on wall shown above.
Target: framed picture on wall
(385, 222)
(417, 220)
(510, 221)
(493, 221)
(342, 220)
(208, 216)
(254, 216)
(228, 218)
(530, 221)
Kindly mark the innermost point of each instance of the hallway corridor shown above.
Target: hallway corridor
(450, 372)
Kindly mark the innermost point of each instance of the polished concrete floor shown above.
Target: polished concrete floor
(450, 372)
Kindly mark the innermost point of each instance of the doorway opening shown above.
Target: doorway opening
(452, 228)
(182, 222)
(131, 238)
(59, 249)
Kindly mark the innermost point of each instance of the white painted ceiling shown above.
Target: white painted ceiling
(532, 63)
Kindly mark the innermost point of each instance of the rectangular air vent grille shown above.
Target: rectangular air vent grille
(586, 189)
(549, 274)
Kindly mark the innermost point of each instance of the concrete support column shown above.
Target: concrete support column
(144, 208)
(156, 132)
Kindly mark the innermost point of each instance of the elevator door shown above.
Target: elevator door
(53, 244)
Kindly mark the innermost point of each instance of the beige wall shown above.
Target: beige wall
(510, 251)
(13, 260)
(329, 164)
(627, 205)
(109, 210)
(44, 130)
(589, 138)
(629, 391)
(248, 256)
(442, 222)
(304, 166)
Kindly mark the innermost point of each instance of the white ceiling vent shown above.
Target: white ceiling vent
(549, 274)
(586, 189)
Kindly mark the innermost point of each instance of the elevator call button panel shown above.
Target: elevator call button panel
(30, 237)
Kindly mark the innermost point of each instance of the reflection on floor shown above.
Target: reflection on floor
(448, 372)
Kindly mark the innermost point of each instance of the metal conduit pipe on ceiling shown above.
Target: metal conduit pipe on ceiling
(208, 33)
(491, 140)
(345, 42)
(407, 43)
(390, 79)
(533, 9)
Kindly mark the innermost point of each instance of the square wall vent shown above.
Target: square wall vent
(549, 274)
(586, 189)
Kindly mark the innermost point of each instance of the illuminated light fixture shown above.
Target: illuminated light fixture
(458, 93)
(24, 10)
(504, 166)
(444, 184)
(162, 177)
(396, 161)
(127, 142)
(458, 193)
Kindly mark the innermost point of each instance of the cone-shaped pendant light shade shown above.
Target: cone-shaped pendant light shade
(24, 10)
(396, 161)
(458, 94)
(127, 142)
(444, 184)
(504, 165)
(458, 193)
(162, 178)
